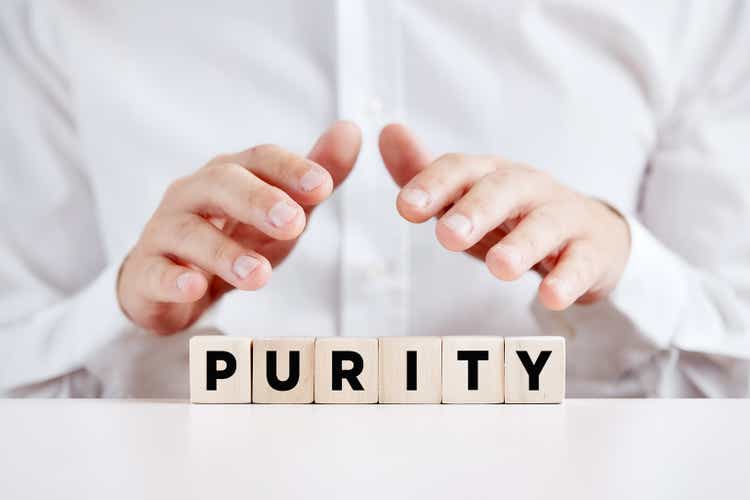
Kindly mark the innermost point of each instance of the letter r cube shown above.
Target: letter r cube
(346, 370)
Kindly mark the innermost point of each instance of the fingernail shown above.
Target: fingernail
(282, 213)
(312, 179)
(509, 254)
(244, 265)
(415, 197)
(459, 224)
(562, 288)
(183, 281)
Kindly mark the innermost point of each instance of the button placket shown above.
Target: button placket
(374, 245)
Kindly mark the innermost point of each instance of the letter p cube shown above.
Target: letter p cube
(220, 369)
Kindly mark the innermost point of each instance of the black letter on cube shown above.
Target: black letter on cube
(473, 357)
(291, 381)
(212, 373)
(533, 369)
(338, 374)
(411, 370)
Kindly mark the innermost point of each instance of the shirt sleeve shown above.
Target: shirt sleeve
(679, 319)
(58, 301)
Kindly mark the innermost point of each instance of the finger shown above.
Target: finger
(540, 233)
(500, 195)
(439, 185)
(304, 180)
(193, 240)
(577, 271)
(402, 154)
(337, 150)
(165, 281)
(231, 190)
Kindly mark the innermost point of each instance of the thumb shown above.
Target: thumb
(337, 149)
(403, 155)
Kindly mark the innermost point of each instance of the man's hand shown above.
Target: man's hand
(513, 217)
(226, 226)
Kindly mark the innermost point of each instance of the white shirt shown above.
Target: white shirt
(645, 105)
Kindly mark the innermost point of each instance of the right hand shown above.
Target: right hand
(225, 227)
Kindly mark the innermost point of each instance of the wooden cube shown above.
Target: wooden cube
(220, 369)
(346, 370)
(283, 370)
(534, 369)
(473, 370)
(410, 370)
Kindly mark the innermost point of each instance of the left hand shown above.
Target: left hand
(513, 217)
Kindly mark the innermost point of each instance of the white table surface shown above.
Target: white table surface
(171, 449)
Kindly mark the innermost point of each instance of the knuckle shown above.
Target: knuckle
(584, 217)
(220, 158)
(224, 182)
(540, 174)
(501, 164)
(497, 178)
(285, 162)
(537, 234)
(176, 187)
(451, 158)
(534, 247)
(151, 233)
(223, 251)
(185, 229)
(520, 167)
(530, 244)
(481, 200)
(549, 219)
(222, 172)
(523, 167)
(266, 150)
(544, 183)
(528, 180)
